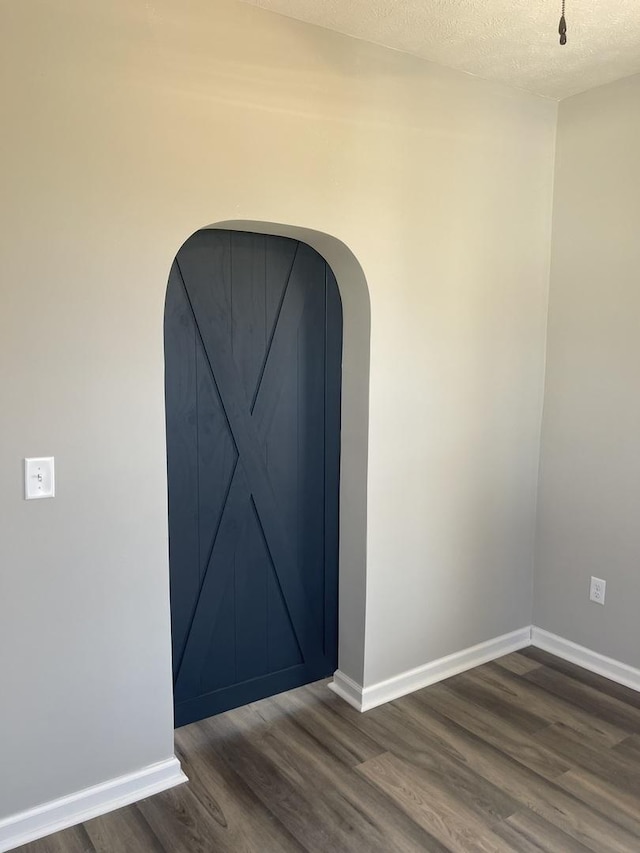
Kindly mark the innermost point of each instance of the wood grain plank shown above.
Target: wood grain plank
(122, 831)
(456, 826)
(248, 307)
(610, 708)
(552, 709)
(532, 790)
(516, 663)
(416, 744)
(476, 690)
(312, 821)
(252, 570)
(311, 358)
(343, 741)
(495, 730)
(182, 459)
(622, 807)
(618, 770)
(332, 426)
(592, 679)
(182, 822)
(527, 832)
(413, 743)
(374, 824)
(74, 840)
(242, 818)
(629, 747)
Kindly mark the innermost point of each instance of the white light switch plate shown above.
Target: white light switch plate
(39, 478)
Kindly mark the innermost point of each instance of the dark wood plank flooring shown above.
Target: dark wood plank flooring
(528, 753)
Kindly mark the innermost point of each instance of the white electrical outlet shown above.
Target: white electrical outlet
(597, 590)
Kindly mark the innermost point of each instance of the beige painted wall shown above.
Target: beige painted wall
(126, 126)
(589, 502)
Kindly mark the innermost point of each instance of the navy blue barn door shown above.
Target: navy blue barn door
(253, 349)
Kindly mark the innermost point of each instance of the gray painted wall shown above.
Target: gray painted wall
(127, 126)
(589, 499)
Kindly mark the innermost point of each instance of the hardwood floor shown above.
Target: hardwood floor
(528, 753)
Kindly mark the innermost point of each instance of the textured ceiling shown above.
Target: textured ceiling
(513, 41)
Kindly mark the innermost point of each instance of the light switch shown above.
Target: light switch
(39, 478)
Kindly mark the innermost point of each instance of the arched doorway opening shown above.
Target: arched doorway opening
(248, 612)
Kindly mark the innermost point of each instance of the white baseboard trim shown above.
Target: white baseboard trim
(415, 679)
(30, 825)
(346, 688)
(615, 670)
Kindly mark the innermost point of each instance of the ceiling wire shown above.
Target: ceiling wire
(562, 29)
